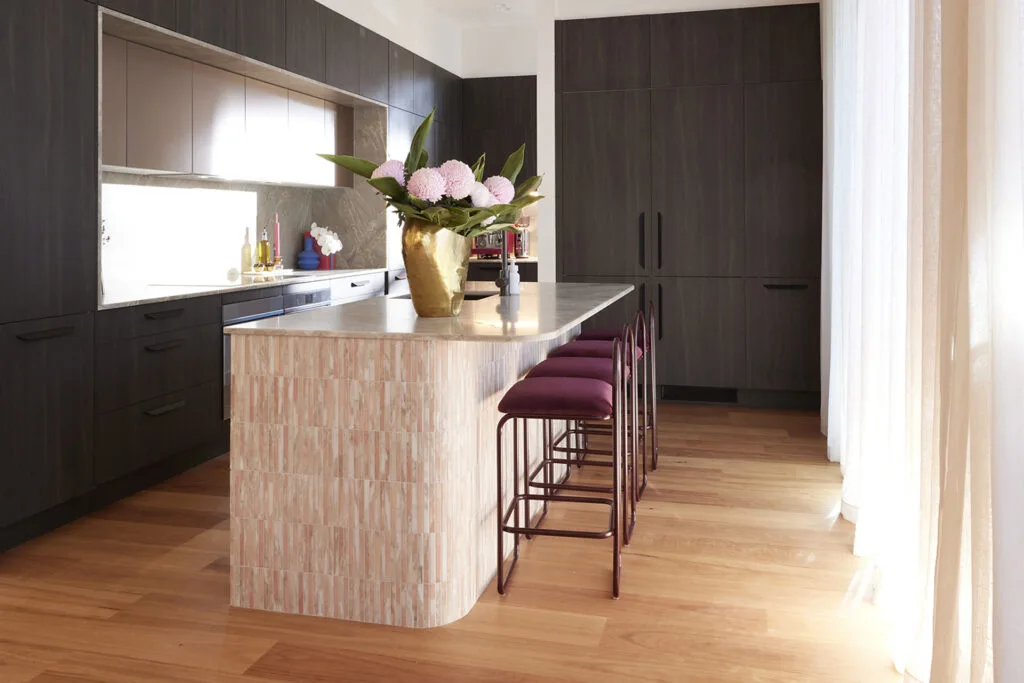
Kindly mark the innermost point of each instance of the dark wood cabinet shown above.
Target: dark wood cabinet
(211, 21)
(45, 413)
(305, 41)
(625, 309)
(164, 316)
(696, 48)
(262, 33)
(697, 180)
(783, 344)
(49, 167)
(402, 90)
(782, 43)
(499, 115)
(159, 12)
(342, 52)
(701, 331)
(402, 126)
(374, 70)
(605, 175)
(427, 87)
(783, 130)
(604, 54)
(487, 270)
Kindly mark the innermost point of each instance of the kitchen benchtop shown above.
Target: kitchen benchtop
(134, 295)
(541, 311)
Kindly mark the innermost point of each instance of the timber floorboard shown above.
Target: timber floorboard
(739, 570)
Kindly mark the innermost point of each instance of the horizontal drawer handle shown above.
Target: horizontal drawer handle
(165, 346)
(791, 286)
(361, 283)
(51, 333)
(165, 315)
(169, 408)
(401, 277)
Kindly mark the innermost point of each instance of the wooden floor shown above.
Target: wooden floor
(738, 571)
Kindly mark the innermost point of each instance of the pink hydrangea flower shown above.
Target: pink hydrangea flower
(458, 178)
(427, 184)
(501, 187)
(391, 169)
(481, 196)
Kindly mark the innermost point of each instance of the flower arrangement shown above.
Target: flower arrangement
(453, 195)
(326, 239)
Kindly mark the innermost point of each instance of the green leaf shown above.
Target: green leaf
(360, 167)
(514, 164)
(524, 202)
(529, 185)
(388, 186)
(424, 160)
(419, 140)
(478, 167)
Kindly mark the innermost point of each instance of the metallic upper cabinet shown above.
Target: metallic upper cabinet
(115, 104)
(159, 111)
(218, 120)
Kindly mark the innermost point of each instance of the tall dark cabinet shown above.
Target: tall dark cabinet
(689, 161)
(500, 114)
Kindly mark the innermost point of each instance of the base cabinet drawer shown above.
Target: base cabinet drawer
(138, 321)
(783, 334)
(357, 287)
(133, 370)
(132, 438)
(487, 271)
(398, 282)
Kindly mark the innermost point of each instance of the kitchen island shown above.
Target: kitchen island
(363, 450)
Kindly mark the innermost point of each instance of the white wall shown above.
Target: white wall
(518, 56)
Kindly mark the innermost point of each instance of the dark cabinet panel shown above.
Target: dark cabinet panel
(133, 370)
(159, 12)
(605, 222)
(427, 86)
(138, 321)
(49, 166)
(262, 31)
(487, 271)
(374, 55)
(697, 180)
(45, 414)
(696, 48)
(130, 439)
(342, 51)
(402, 89)
(782, 43)
(701, 331)
(623, 311)
(211, 21)
(783, 335)
(605, 54)
(305, 41)
(783, 131)
(499, 115)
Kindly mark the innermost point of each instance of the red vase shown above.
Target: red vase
(326, 262)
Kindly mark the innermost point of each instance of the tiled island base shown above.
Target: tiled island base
(363, 473)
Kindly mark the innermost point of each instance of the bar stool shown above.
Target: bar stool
(547, 399)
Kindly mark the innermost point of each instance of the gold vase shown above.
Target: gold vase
(437, 262)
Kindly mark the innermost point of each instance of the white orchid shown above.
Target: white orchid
(327, 239)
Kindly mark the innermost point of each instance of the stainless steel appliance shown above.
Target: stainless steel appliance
(243, 312)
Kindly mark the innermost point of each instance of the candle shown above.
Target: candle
(277, 237)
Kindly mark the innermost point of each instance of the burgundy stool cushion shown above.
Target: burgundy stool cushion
(606, 334)
(558, 397)
(576, 366)
(592, 348)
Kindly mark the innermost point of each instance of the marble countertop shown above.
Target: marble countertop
(134, 295)
(541, 311)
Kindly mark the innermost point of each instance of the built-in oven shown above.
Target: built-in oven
(243, 312)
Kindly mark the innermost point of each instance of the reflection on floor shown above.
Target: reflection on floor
(737, 572)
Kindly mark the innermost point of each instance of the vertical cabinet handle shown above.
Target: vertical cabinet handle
(661, 313)
(643, 240)
(659, 240)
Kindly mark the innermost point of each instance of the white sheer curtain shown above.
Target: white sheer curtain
(924, 318)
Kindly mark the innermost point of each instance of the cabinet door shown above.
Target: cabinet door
(211, 21)
(307, 137)
(783, 335)
(159, 12)
(782, 43)
(427, 87)
(374, 51)
(604, 54)
(783, 131)
(306, 49)
(402, 90)
(46, 414)
(605, 183)
(115, 101)
(49, 166)
(500, 114)
(342, 51)
(261, 31)
(701, 336)
(696, 48)
(697, 180)
(623, 311)
(159, 110)
(218, 121)
(266, 119)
